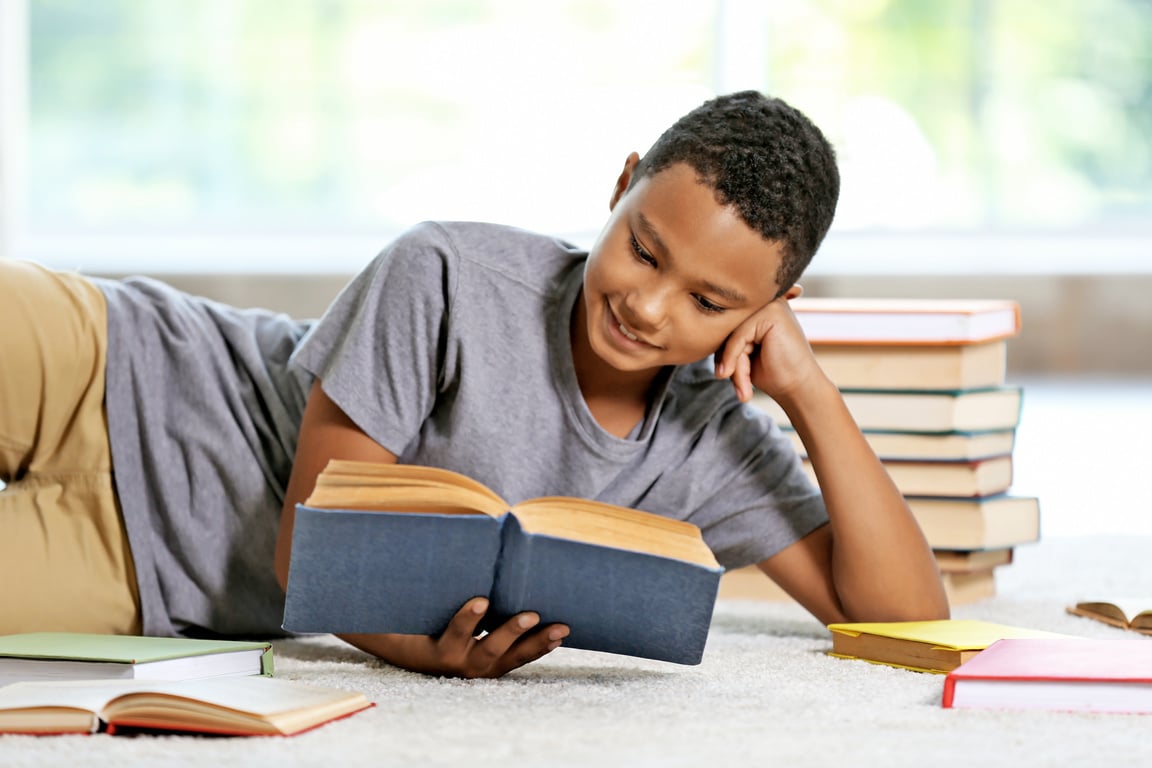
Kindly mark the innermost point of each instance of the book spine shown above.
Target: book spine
(949, 692)
(510, 584)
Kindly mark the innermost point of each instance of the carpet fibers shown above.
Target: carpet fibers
(766, 694)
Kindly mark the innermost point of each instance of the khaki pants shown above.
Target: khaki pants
(64, 558)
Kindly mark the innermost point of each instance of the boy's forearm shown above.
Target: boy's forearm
(404, 651)
(882, 566)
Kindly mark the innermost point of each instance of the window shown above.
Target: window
(270, 135)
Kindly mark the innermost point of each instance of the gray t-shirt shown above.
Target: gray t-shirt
(450, 349)
(203, 413)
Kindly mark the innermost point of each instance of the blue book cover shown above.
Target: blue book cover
(357, 571)
(613, 600)
(364, 571)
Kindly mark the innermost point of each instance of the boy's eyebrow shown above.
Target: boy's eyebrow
(727, 294)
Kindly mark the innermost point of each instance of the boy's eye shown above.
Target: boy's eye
(641, 254)
(706, 305)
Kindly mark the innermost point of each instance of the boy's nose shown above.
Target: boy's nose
(648, 308)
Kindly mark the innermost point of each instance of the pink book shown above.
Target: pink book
(1074, 674)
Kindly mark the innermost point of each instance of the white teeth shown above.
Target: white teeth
(627, 333)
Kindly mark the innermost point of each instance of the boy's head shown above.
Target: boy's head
(766, 160)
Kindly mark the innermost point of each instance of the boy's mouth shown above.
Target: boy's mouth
(626, 333)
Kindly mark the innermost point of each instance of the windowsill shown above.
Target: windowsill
(842, 254)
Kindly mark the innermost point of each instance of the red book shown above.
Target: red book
(1082, 675)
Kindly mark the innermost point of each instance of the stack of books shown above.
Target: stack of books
(926, 382)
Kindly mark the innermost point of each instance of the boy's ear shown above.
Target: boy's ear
(623, 180)
(794, 292)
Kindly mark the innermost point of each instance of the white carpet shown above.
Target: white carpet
(766, 694)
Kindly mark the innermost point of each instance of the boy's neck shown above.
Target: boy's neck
(617, 399)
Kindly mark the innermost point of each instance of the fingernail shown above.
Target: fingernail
(556, 633)
(480, 606)
(526, 621)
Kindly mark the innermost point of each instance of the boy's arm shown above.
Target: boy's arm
(326, 433)
(871, 561)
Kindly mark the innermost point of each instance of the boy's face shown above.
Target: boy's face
(673, 273)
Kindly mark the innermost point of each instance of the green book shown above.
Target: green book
(80, 656)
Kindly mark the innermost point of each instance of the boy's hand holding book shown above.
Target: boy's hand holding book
(413, 564)
(459, 651)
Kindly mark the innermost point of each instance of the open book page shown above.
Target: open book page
(241, 704)
(402, 488)
(614, 526)
(1118, 611)
(411, 488)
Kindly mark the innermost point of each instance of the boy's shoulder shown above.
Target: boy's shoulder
(484, 242)
(511, 255)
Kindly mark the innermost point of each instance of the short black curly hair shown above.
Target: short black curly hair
(766, 159)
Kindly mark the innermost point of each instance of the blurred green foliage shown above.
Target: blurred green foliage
(317, 115)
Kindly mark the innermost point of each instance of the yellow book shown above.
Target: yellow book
(922, 646)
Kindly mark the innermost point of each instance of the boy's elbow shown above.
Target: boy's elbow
(929, 606)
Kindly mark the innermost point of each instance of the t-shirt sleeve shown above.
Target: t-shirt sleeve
(379, 349)
(757, 498)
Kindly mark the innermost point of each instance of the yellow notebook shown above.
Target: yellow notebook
(923, 646)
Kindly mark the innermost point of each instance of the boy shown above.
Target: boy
(511, 357)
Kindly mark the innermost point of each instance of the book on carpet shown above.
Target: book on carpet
(970, 410)
(946, 367)
(1073, 674)
(964, 561)
(832, 320)
(81, 656)
(750, 583)
(931, 446)
(987, 522)
(399, 549)
(235, 706)
(1134, 613)
(985, 477)
(961, 587)
(937, 646)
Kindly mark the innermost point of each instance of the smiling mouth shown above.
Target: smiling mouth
(628, 334)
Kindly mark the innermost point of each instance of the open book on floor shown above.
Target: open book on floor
(1134, 613)
(400, 548)
(236, 706)
(80, 656)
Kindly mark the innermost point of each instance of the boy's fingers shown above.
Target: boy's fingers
(532, 646)
(738, 345)
(742, 378)
(497, 642)
(463, 627)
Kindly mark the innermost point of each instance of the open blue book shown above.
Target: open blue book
(400, 548)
